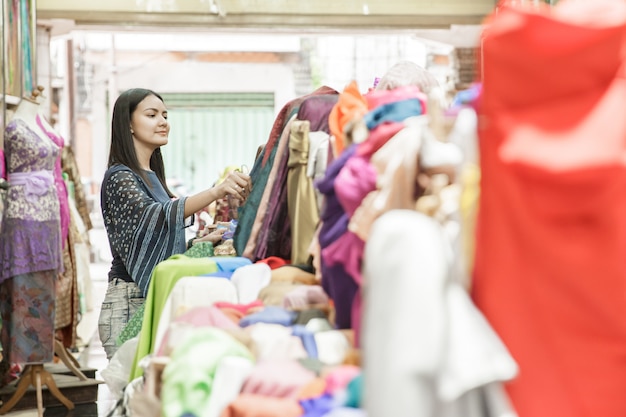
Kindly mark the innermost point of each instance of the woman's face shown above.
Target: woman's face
(149, 124)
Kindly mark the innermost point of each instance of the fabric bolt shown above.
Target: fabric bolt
(314, 389)
(354, 392)
(304, 296)
(274, 293)
(277, 378)
(70, 168)
(252, 405)
(231, 263)
(338, 378)
(27, 311)
(293, 274)
(188, 378)
(248, 213)
(166, 274)
(64, 209)
(231, 373)
(200, 250)
(551, 204)
(250, 280)
(307, 337)
(462, 363)
(190, 292)
(143, 225)
(315, 110)
(350, 106)
(242, 308)
(305, 316)
(393, 112)
(271, 315)
(332, 347)
(262, 194)
(275, 342)
(335, 280)
(66, 303)
(30, 238)
(317, 407)
(301, 199)
(275, 234)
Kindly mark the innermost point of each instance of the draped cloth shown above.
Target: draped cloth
(142, 231)
(549, 269)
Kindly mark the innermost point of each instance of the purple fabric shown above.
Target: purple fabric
(62, 194)
(337, 283)
(317, 407)
(355, 180)
(271, 315)
(267, 235)
(30, 239)
(316, 109)
(36, 183)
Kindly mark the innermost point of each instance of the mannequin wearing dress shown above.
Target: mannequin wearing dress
(30, 241)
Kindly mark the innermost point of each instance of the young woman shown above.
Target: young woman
(144, 223)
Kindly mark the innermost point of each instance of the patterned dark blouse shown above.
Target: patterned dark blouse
(144, 226)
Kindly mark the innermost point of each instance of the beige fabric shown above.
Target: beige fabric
(301, 198)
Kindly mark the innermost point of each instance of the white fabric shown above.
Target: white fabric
(275, 341)
(230, 375)
(190, 292)
(332, 347)
(428, 352)
(249, 280)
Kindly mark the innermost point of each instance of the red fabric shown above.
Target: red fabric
(273, 261)
(550, 274)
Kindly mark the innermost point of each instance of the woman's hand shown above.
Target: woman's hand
(236, 184)
(213, 237)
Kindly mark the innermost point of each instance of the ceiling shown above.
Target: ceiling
(268, 15)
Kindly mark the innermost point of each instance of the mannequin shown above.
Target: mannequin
(30, 252)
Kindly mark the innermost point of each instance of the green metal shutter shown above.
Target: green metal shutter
(210, 131)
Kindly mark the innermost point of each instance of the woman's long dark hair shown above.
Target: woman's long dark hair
(122, 146)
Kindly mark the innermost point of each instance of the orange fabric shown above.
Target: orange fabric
(313, 389)
(549, 269)
(252, 405)
(351, 104)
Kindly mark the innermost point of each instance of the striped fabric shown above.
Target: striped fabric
(143, 225)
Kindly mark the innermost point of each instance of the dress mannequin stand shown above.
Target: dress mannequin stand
(34, 373)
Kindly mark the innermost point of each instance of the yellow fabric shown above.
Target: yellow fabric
(301, 199)
(470, 183)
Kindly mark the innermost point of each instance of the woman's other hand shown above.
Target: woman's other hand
(236, 184)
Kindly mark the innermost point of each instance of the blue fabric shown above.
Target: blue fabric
(271, 315)
(397, 111)
(230, 263)
(219, 274)
(355, 392)
(308, 339)
(317, 407)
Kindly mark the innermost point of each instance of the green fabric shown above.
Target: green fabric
(133, 327)
(200, 250)
(188, 378)
(164, 277)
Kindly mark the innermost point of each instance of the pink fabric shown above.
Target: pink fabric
(62, 194)
(277, 378)
(210, 316)
(356, 179)
(305, 295)
(339, 378)
(378, 98)
(242, 308)
(378, 137)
